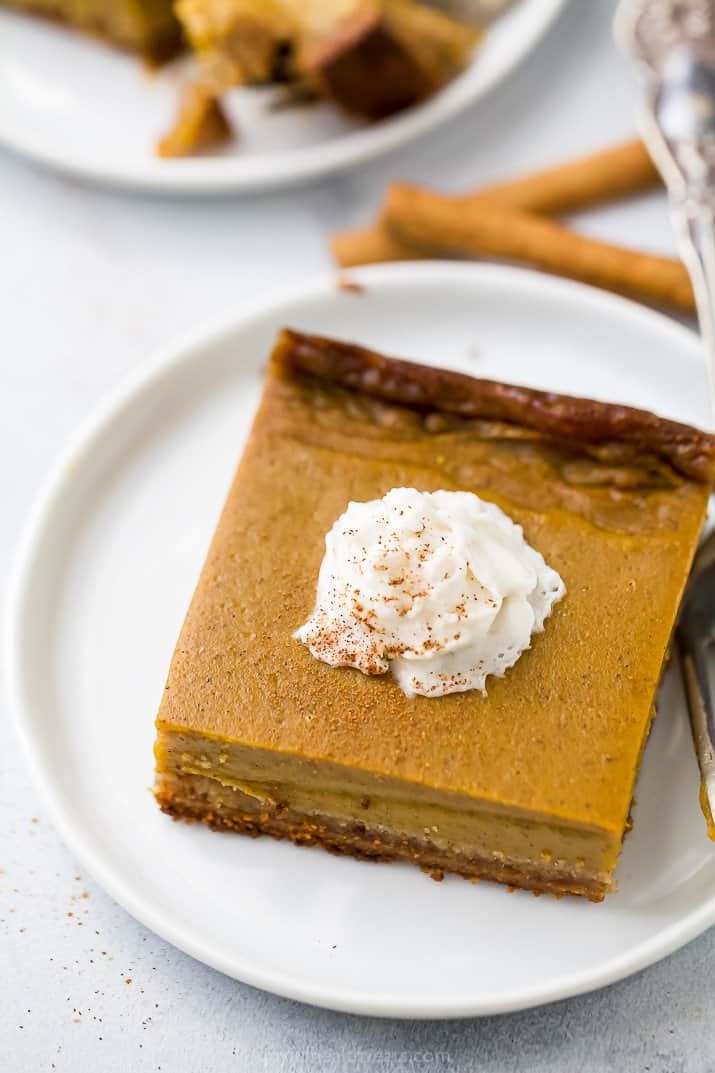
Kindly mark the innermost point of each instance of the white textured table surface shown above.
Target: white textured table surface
(91, 282)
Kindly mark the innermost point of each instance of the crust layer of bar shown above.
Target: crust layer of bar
(226, 808)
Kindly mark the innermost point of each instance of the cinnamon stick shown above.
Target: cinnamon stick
(371, 245)
(438, 225)
(607, 175)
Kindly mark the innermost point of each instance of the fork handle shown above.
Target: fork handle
(694, 220)
(694, 665)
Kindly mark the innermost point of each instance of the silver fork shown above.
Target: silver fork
(674, 43)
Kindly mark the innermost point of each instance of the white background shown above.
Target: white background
(90, 283)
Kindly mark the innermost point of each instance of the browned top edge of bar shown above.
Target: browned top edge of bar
(690, 451)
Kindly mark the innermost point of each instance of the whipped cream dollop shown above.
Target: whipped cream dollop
(440, 588)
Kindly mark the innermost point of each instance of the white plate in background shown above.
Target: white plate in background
(107, 566)
(76, 105)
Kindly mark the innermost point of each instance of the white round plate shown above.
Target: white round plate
(72, 104)
(106, 570)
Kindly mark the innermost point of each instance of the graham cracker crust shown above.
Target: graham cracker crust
(226, 808)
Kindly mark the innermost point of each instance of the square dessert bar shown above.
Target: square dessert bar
(530, 785)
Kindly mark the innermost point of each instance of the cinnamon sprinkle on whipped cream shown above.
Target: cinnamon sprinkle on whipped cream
(438, 588)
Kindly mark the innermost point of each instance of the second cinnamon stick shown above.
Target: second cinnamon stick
(437, 225)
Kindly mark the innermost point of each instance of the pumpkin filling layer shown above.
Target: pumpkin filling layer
(321, 804)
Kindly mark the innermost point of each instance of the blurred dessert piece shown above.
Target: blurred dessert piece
(239, 42)
(200, 126)
(147, 27)
(377, 58)
(371, 57)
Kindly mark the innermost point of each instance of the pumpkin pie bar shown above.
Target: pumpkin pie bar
(530, 784)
